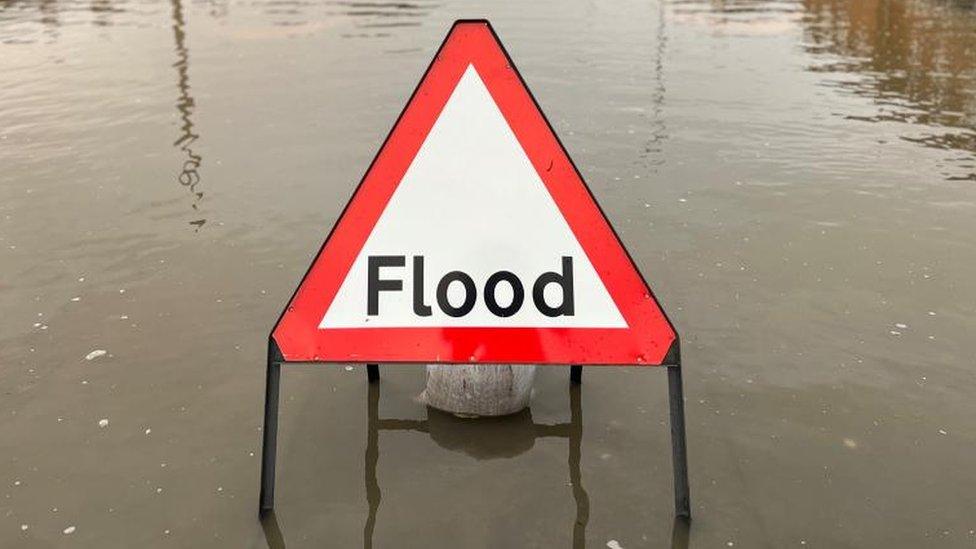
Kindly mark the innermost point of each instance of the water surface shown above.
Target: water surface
(796, 179)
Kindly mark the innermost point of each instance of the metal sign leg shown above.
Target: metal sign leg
(270, 445)
(372, 373)
(679, 448)
(576, 374)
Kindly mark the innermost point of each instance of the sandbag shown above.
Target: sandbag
(478, 389)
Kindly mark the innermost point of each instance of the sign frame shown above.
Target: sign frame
(671, 360)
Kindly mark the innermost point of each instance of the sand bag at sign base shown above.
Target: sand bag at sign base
(478, 389)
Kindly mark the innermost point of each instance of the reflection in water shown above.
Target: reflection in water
(575, 439)
(500, 437)
(915, 60)
(373, 494)
(272, 532)
(680, 533)
(49, 18)
(659, 130)
(102, 10)
(189, 175)
(370, 19)
(382, 15)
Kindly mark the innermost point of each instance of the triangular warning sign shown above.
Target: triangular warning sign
(473, 238)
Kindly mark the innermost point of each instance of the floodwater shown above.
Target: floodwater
(796, 179)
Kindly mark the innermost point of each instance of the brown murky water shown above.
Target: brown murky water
(796, 179)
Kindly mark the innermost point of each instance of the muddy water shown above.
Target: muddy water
(797, 180)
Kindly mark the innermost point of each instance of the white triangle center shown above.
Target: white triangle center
(471, 201)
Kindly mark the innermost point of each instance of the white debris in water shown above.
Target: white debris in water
(159, 490)
(730, 543)
(69, 530)
(95, 354)
(148, 431)
(901, 326)
(122, 291)
(943, 432)
(82, 279)
(220, 488)
(931, 313)
(682, 200)
(16, 483)
(614, 544)
(24, 527)
(895, 332)
(850, 443)
(76, 299)
(103, 422)
(349, 368)
(166, 532)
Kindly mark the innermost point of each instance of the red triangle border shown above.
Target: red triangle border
(649, 339)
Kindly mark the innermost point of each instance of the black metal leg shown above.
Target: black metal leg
(679, 448)
(270, 445)
(373, 372)
(576, 374)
